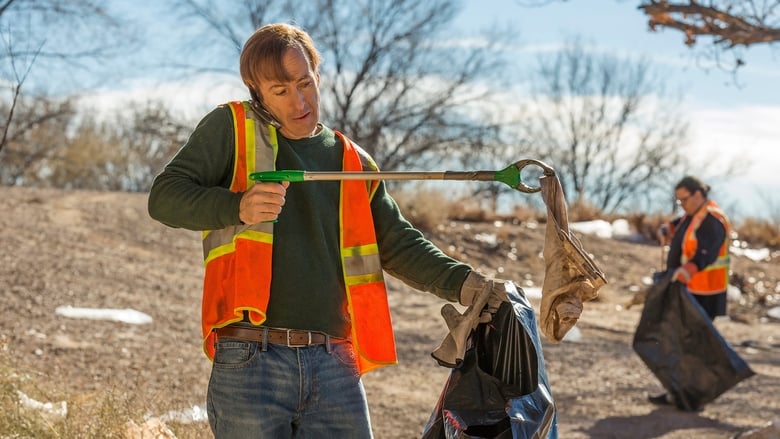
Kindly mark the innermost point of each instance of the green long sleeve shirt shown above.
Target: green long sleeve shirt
(307, 287)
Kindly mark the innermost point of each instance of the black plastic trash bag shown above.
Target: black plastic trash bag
(501, 389)
(678, 342)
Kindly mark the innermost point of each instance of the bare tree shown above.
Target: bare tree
(603, 125)
(15, 94)
(44, 36)
(36, 135)
(67, 35)
(393, 80)
(149, 134)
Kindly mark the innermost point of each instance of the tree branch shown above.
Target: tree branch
(725, 26)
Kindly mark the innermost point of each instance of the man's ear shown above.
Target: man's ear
(261, 110)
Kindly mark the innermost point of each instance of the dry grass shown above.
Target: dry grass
(424, 207)
(113, 414)
(23, 389)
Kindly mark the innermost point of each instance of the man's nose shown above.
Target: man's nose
(300, 99)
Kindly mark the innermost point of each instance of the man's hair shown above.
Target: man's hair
(261, 57)
(693, 184)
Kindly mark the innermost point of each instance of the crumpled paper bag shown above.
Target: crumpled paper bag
(571, 276)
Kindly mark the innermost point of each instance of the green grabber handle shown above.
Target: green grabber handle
(278, 176)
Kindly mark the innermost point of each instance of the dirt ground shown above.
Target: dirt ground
(100, 249)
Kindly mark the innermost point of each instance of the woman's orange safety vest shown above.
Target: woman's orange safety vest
(238, 258)
(715, 277)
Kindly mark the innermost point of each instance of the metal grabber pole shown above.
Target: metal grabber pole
(511, 175)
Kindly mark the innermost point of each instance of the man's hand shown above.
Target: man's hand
(685, 273)
(474, 285)
(262, 202)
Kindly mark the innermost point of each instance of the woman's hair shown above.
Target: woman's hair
(693, 184)
(262, 55)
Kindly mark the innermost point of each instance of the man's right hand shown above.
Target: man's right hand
(262, 202)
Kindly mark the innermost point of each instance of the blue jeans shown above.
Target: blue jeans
(284, 392)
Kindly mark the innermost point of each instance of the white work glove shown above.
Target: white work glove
(483, 296)
(475, 285)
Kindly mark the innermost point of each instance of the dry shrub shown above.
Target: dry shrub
(526, 214)
(469, 209)
(646, 225)
(425, 207)
(760, 232)
(583, 211)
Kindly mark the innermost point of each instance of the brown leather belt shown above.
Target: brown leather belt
(293, 338)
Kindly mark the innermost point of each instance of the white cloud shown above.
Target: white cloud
(747, 135)
(192, 98)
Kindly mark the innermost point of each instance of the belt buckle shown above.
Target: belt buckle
(300, 345)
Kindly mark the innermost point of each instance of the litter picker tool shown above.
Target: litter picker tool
(511, 175)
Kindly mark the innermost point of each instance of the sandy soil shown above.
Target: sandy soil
(100, 249)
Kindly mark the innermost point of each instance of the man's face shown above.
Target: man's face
(295, 104)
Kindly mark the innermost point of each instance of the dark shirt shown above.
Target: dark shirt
(307, 287)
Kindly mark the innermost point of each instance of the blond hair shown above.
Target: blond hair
(261, 57)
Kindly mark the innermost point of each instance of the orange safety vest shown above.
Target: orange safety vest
(238, 258)
(714, 278)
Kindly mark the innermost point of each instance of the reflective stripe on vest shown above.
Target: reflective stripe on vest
(238, 258)
(372, 331)
(714, 278)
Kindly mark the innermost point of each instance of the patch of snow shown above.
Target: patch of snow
(52, 411)
(126, 315)
(621, 229)
(573, 336)
(487, 238)
(196, 413)
(533, 292)
(600, 228)
(733, 293)
(754, 254)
